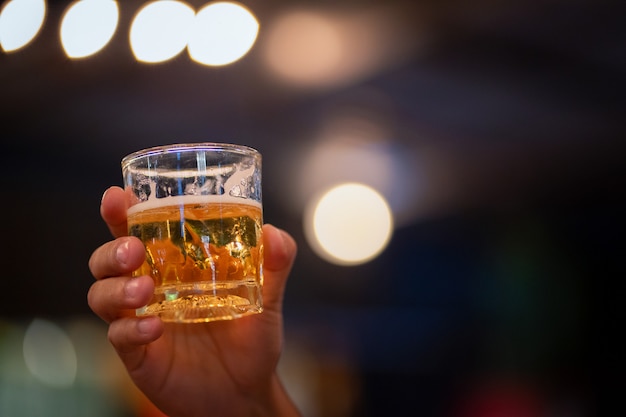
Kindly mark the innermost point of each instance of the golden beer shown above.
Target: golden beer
(205, 255)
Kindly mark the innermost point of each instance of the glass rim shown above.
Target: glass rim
(190, 146)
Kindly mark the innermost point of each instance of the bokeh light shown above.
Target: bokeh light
(20, 22)
(349, 224)
(323, 47)
(222, 33)
(49, 354)
(357, 140)
(160, 30)
(306, 48)
(88, 26)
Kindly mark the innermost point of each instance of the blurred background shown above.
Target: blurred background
(489, 136)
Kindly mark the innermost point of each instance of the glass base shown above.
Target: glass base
(204, 302)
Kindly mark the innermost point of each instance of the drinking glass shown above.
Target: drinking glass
(197, 208)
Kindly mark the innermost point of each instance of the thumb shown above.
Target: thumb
(278, 257)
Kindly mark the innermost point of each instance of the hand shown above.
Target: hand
(224, 368)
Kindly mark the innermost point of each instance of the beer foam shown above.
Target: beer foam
(180, 200)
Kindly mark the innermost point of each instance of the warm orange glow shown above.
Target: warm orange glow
(315, 48)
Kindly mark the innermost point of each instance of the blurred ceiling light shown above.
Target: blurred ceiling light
(160, 30)
(222, 33)
(347, 158)
(20, 22)
(87, 26)
(349, 224)
(355, 143)
(306, 48)
(49, 354)
(316, 48)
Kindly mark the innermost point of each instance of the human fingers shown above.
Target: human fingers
(114, 291)
(113, 210)
(279, 254)
(118, 297)
(128, 335)
(130, 338)
(117, 257)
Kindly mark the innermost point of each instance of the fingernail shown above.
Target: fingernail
(121, 254)
(131, 289)
(144, 325)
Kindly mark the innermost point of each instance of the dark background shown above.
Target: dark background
(501, 290)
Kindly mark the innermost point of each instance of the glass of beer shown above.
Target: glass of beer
(197, 209)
